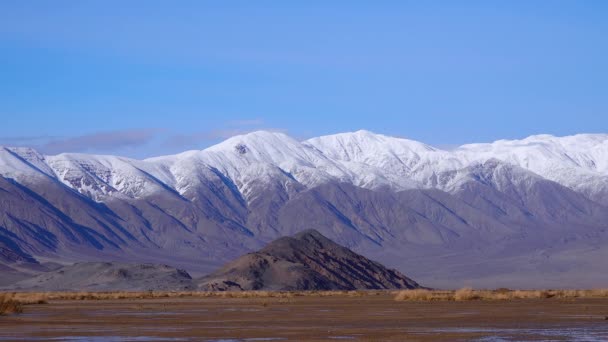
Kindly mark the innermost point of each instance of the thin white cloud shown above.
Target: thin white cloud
(26, 140)
(108, 141)
(102, 141)
(138, 142)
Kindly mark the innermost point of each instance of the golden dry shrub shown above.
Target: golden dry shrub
(467, 293)
(9, 306)
(596, 293)
(27, 298)
(424, 295)
(464, 294)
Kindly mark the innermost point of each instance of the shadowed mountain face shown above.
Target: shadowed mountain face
(306, 261)
(529, 213)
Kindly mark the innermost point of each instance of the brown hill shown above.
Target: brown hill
(305, 261)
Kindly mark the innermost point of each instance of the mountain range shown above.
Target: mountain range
(514, 213)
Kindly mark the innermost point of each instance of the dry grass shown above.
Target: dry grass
(467, 294)
(42, 297)
(9, 306)
(13, 302)
(202, 294)
(27, 298)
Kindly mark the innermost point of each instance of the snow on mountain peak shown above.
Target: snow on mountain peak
(23, 163)
(362, 158)
(361, 145)
(271, 149)
(403, 163)
(579, 162)
(261, 146)
(540, 153)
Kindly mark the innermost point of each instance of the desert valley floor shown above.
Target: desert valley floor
(366, 318)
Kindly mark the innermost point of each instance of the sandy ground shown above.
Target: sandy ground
(367, 318)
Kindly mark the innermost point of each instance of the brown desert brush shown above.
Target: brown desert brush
(9, 306)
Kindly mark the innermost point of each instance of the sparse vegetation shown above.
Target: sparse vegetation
(13, 301)
(9, 306)
(27, 298)
(467, 294)
(422, 295)
(42, 297)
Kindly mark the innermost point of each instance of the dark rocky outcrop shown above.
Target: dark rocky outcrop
(305, 261)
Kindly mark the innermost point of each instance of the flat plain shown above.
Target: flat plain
(374, 316)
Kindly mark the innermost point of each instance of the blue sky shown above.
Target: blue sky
(143, 78)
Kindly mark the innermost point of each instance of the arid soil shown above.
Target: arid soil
(367, 318)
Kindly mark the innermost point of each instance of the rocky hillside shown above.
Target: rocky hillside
(305, 261)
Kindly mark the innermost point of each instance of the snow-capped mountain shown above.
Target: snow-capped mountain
(361, 158)
(542, 199)
(579, 162)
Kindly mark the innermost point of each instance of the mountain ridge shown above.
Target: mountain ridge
(379, 161)
(542, 200)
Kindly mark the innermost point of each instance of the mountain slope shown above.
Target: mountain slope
(106, 276)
